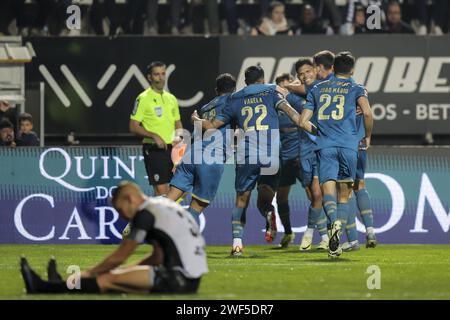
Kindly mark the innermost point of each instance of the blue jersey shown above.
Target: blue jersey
(254, 110)
(335, 102)
(360, 126)
(215, 143)
(308, 141)
(253, 89)
(289, 132)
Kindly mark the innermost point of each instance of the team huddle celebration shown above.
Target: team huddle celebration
(322, 141)
(224, 150)
(315, 129)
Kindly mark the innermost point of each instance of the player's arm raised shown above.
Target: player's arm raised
(284, 106)
(297, 88)
(364, 104)
(305, 124)
(307, 113)
(206, 124)
(115, 259)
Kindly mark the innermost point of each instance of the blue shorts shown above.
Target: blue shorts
(361, 166)
(246, 177)
(202, 180)
(309, 170)
(337, 163)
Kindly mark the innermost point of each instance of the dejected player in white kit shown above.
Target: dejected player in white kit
(176, 265)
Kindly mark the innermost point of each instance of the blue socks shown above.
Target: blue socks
(238, 222)
(352, 233)
(321, 223)
(330, 207)
(313, 216)
(317, 220)
(342, 214)
(365, 207)
(195, 214)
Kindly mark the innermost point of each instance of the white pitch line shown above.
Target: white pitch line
(76, 85)
(54, 85)
(106, 77)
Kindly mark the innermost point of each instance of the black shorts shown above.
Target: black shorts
(286, 176)
(173, 281)
(290, 172)
(158, 163)
(272, 181)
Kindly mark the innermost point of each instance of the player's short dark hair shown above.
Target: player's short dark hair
(325, 58)
(344, 62)
(301, 62)
(5, 123)
(253, 74)
(283, 77)
(25, 117)
(225, 83)
(154, 64)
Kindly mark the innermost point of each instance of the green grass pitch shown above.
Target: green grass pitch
(407, 272)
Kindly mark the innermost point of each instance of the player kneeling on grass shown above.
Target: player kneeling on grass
(176, 265)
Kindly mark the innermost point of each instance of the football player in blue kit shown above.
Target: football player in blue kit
(361, 200)
(202, 179)
(335, 101)
(306, 73)
(289, 172)
(309, 75)
(254, 108)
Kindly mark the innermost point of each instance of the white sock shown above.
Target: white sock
(370, 230)
(309, 232)
(237, 242)
(325, 237)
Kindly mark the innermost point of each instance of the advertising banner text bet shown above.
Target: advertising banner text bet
(60, 195)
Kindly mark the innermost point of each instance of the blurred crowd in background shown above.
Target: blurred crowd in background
(214, 17)
(12, 136)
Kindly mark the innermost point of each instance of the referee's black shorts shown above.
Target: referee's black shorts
(158, 163)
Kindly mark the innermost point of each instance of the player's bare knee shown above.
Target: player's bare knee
(174, 193)
(316, 197)
(161, 189)
(344, 192)
(198, 205)
(242, 199)
(359, 185)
